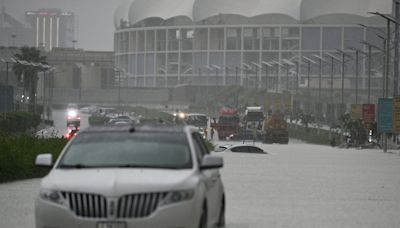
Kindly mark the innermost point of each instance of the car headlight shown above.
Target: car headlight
(177, 196)
(51, 196)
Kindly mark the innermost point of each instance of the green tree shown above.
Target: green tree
(29, 73)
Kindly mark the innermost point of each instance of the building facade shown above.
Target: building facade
(262, 44)
(53, 28)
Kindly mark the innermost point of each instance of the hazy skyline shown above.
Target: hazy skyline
(95, 18)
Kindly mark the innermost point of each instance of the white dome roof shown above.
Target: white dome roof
(204, 9)
(122, 12)
(165, 9)
(135, 11)
(315, 8)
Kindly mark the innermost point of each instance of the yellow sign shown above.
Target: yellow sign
(396, 114)
(356, 111)
(278, 102)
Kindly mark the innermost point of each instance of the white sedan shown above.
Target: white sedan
(132, 178)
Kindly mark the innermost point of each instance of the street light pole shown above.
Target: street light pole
(343, 74)
(119, 89)
(266, 74)
(357, 74)
(369, 72)
(237, 75)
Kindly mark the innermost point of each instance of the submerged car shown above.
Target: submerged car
(124, 177)
(240, 148)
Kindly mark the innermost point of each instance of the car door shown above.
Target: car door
(212, 179)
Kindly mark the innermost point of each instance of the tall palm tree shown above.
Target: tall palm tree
(29, 73)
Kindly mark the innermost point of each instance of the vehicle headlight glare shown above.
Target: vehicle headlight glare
(178, 196)
(52, 196)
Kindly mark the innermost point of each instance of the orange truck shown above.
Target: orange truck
(276, 129)
(228, 123)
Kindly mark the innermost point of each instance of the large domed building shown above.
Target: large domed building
(165, 43)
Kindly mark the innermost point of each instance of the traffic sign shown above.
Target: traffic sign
(385, 115)
(396, 114)
(368, 114)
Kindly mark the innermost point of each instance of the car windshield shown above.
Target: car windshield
(141, 150)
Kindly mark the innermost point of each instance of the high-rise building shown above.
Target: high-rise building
(53, 28)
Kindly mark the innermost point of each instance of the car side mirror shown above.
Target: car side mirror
(44, 160)
(211, 162)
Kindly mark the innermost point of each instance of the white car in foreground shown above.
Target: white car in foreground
(147, 177)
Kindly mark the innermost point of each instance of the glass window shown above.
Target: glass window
(141, 41)
(200, 39)
(332, 38)
(140, 64)
(173, 63)
(187, 39)
(132, 41)
(290, 44)
(240, 149)
(217, 39)
(353, 37)
(132, 64)
(161, 40)
(150, 40)
(150, 62)
(174, 37)
(186, 63)
(291, 32)
(234, 38)
(161, 64)
(251, 39)
(217, 58)
(311, 38)
(199, 61)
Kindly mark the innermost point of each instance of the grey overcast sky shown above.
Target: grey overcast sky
(96, 26)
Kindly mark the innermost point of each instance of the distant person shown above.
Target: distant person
(212, 133)
(333, 142)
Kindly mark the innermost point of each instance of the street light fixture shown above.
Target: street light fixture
(277, 81)
(266, 73)
(288, 65)
(390, 19)
(309, 61)
(320, 60)
(258, 68)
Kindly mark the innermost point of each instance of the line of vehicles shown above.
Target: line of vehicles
(254, 124)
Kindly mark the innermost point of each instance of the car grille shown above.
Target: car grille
(87, 205)
(139, 205)
(129, 206)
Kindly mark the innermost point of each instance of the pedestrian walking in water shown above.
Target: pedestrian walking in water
(212, 133)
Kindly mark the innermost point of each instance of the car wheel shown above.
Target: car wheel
(203, 218)
(221, 219)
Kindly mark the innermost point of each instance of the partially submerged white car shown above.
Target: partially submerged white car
(240, 148)
(145, 177)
